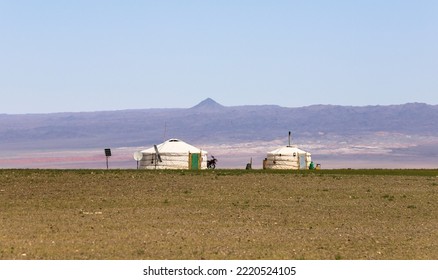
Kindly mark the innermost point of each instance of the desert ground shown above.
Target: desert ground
(219, 214)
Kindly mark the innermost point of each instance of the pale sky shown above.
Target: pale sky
(85, 55)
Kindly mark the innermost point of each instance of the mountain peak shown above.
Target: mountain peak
(208, 104)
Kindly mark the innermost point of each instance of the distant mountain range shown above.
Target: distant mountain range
(211, 123)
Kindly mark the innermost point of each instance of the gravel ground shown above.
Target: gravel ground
(130, 214)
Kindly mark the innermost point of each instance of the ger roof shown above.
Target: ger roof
(288, 150)
(174, 146)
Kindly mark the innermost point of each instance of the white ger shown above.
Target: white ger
(289, 157)
(173, 154)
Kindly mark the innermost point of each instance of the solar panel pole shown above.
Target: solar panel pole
(107, 154)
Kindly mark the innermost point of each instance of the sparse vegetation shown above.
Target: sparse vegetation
(388, 197)
(218, 214)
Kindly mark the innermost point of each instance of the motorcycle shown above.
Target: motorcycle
(211, 163)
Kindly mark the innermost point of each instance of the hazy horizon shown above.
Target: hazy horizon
(403, 136)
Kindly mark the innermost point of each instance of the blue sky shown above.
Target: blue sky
(87, 55)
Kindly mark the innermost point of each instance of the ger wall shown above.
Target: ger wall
(286, 161)
(169, 161)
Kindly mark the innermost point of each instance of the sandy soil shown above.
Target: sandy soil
(129, 214)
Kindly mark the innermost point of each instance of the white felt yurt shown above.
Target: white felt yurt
(173, 154)
(289, 157)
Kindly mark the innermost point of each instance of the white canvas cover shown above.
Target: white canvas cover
(289, 157)
(174, 153)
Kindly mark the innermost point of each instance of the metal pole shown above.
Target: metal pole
(107, 154)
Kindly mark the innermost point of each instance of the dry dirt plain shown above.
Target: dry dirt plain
(221, 214)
